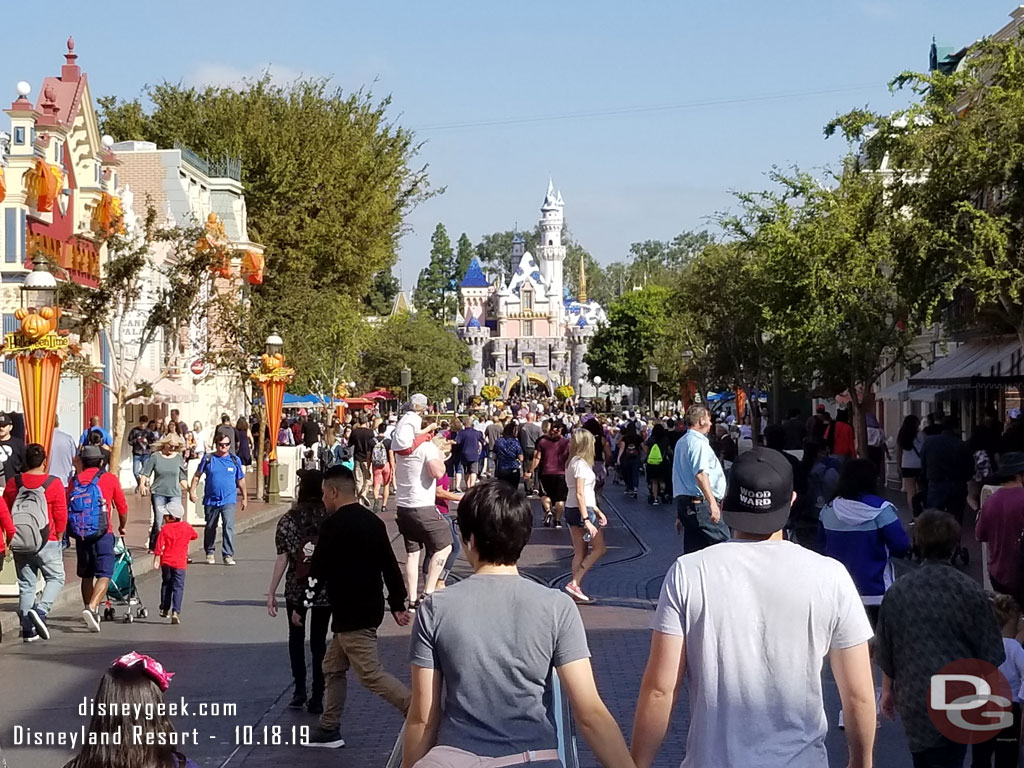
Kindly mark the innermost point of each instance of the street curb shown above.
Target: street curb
(70, 594)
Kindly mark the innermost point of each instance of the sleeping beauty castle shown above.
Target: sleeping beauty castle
(528, 336)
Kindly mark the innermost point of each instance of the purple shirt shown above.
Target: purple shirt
(1000, 523)
(444, 482)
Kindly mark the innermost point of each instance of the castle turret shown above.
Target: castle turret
(580, 335)
(550, 251)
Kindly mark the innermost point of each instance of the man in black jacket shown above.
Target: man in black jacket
(353, 556)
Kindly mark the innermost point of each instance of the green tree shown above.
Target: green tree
(955, 158)
(659, 259)
(464, 253)
(434, 294)
(381, 296)
(829, 263)
(716, 333)
(433, 354)
(328, 176)
(622, 348)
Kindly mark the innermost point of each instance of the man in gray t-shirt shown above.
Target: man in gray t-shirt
(492, 642)
(469, 634)
(748, 624)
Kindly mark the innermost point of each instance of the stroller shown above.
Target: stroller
(122, 590)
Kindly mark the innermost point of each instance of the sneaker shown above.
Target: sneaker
(576, 593)
(92, 619)
(656, 503)
(558, 524)
(38, 619)
(547, 520)
(30, 635)
(298, 699)
(211, 560)
(175, 618)
(315, 706)
(164, 613)
(229, 560)
(324, 738)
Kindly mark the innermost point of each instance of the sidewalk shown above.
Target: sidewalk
(140, 517)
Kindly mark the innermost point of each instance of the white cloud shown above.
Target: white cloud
(220, 74)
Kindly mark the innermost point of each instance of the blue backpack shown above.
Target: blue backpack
(88, 519)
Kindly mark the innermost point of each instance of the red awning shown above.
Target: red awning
(379, 394)
(357, 402)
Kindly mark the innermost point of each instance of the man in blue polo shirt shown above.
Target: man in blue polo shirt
(225, 485)
(699, 484)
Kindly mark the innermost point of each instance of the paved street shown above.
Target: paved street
(229, 651)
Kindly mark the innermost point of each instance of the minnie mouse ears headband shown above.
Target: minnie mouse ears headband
(153, 668)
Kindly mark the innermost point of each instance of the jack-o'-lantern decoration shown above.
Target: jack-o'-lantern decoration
(272, 362)
(252, 267)
(214, 241)
(43, 183)
(37, 323)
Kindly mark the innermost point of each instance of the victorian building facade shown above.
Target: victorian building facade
(58, 182)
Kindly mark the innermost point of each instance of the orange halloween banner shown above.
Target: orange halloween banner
(273, 396)
(39, 376)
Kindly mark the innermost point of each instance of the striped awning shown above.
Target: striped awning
(977, 363)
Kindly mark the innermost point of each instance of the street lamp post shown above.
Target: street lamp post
(406, 379)
(652, 379)
(274, 378)
(597, 386)
(455, 396)
(39, 350)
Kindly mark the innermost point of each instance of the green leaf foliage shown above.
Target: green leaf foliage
(433, 354)
(621, 348)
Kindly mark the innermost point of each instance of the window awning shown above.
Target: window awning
(978, 363)
(895, 391)
(925, 394)
(164, 391)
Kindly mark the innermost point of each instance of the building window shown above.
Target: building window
(19, 135)
(527, 327)
(527, 300)
(11, 235)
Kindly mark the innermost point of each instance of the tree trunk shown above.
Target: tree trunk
(858, 420)
(117, 433)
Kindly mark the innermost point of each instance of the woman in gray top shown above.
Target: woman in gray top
(492, 640)
(163, 478)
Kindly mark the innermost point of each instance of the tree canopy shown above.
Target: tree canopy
(433, 355)
(622, 348)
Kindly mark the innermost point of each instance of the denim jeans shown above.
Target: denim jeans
(456, 547)
(50, 561)
(138, 461)
(172, 588)
(699, 531)
(226, 513)
(160, 504)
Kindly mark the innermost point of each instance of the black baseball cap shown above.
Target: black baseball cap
(5, 419)
(760, 492)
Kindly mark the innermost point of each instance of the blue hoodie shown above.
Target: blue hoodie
(862, 535)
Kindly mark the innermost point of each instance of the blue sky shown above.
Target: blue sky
(738, 86)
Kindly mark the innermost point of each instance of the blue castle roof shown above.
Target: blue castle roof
(474, 322)
(475, 277)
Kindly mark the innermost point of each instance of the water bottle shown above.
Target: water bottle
(586, 536)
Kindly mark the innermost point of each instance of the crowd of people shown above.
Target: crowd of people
(463, 486)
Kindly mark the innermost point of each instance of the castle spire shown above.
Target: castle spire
(582, 290)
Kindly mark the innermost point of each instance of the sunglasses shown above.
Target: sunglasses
(223, 445)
